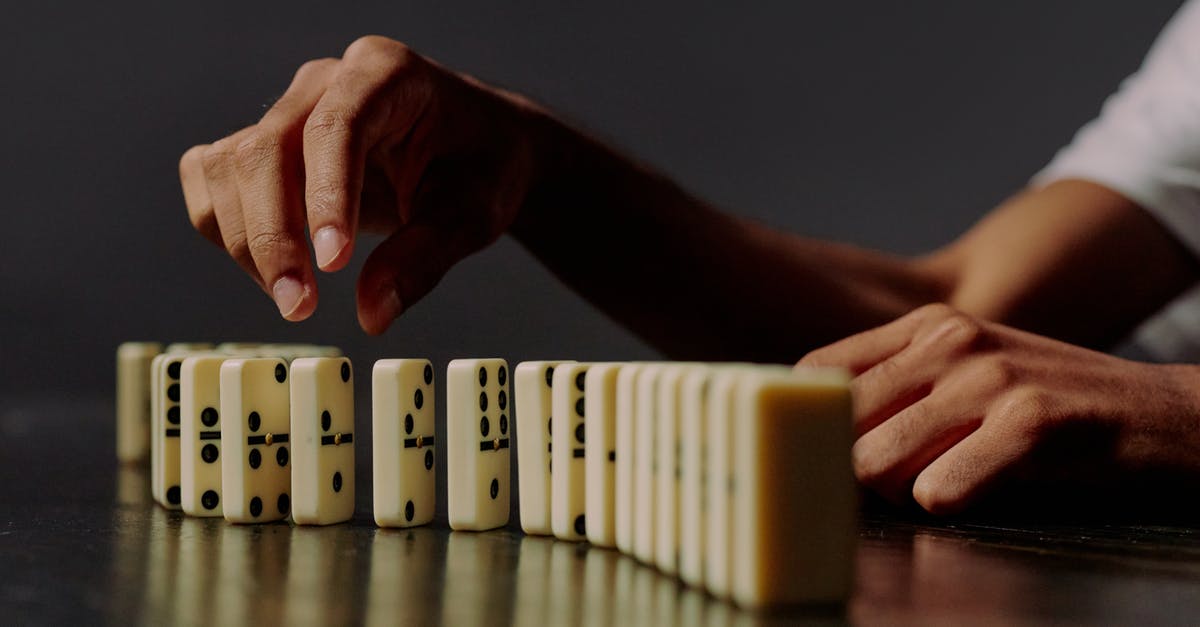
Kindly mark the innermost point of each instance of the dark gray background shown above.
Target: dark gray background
(894, 125)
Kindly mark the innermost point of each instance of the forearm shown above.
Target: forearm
(693, 281)
(1072, 260)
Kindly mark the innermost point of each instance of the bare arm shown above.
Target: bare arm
(1073, 260)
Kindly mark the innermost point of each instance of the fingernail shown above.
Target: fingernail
(328, 242)
(288, 295)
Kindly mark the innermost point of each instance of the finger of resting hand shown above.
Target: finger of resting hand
(901, 380)
(890, 456)
(860, 352)
(961, 475)
(222, 188)
(373, 93)
(195, 194)
(270, 184)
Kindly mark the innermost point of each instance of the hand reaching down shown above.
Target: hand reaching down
(381, 140)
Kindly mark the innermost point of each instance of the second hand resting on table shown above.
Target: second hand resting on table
(950, 402)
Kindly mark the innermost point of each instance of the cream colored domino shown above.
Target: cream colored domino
(133, 400)
(693, 472)
(667, 474)
(623, 491)
(794, 500)
(645, 463)
(292, 352)
(188, 347)
(568, 499)
(165, 424)
(718, 525)
(256, 474)
(200, 436)
(240, 349)
(402, 416)
(477, 443)
(157, 424)
(531, 384)
(322, 406)
(600, 458)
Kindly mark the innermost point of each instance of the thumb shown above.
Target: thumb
(402, 270)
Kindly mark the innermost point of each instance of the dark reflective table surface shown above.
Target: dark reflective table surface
(81, 543)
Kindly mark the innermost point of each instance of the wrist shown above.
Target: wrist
(562, 160)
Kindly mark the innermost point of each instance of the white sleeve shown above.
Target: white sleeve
(1145, 144)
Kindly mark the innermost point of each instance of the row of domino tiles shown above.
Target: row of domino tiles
(776, 528)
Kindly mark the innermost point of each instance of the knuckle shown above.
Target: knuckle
(267, 244)
(314, 67)
(191, 160)
(886, 370)
(959, 330)
(329, 123)
(1028, 408)
(934, 311)
(374, 44)
(269, 248)
(324, 202)
(235, 245)
(996, 373)
(216, 155)
(257, 150)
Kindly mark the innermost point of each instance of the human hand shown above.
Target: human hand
(381, 140)
(948, 407)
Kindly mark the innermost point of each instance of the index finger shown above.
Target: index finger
(863, 351)
(377, 92)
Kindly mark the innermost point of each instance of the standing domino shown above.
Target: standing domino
(255, 475)
(667, 477)
(156, 425)
(693, 475)
(188, 347)
(645, 463)
(567, 483)
(322, 406)
(720, 427)
(532, 381)
(133, 400)
(623, 491)
(794, 502)
(402, 417)
(478, 443)
(200, 436)
(164, 458)
(600, 458)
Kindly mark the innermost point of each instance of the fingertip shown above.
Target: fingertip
(378, 308)
(295, 299)
(332, 248)
(933, 494)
